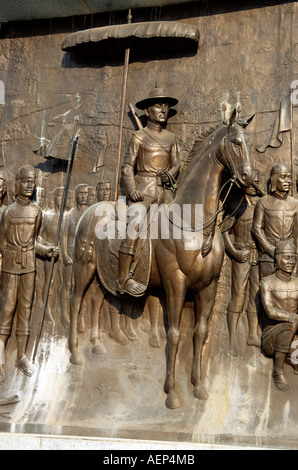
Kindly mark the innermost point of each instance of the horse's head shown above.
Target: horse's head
(235, 151)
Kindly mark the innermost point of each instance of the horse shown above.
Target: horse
(177, 270)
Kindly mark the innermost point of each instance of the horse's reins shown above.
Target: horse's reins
(232, 180)
(199, 228)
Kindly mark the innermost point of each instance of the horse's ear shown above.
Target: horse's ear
(233, 117)
(244, 124)
(248, 121)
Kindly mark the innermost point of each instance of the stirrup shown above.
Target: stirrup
(123, 290)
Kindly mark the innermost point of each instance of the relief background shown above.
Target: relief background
(247, 55)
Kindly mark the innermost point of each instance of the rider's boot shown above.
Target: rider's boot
(126, 283)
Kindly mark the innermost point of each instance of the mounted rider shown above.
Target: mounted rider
(150, 164)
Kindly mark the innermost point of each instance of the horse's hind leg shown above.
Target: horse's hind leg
(98, 296)
(204, 302)
(175, 294)
(82, 275)
(155, 311)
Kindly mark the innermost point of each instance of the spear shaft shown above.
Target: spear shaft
(74, 142)
(123, 96)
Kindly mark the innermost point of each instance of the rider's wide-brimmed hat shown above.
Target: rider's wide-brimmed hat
(156, 95)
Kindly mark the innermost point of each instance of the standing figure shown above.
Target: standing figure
(241, 246)
(48, 233)
(150, 164)
(92, 196)
(18, 232)
(40, 197)
(279, 294)
(275, 217)
(49, 201)
(3, 188)
(69, 203)
(69, 225)
(103, 191)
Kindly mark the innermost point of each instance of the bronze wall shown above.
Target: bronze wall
(248, 54)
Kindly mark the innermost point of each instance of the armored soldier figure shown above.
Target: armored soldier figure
(275, 217)
(40, 197)
(69, 203)
(18, 232)
(241, 246)
(3, 188)
(67, 240)
(279, 294)
(2, 207)
(47, 236)
(151, 162)
(92, 196)
(103, 191)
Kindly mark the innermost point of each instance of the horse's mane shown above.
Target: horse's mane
(196, 146)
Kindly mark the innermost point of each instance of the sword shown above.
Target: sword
(135, 116)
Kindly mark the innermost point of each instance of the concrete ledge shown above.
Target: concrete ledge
(10, 441)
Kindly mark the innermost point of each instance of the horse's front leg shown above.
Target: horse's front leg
(155, 311)
(175, 299)
(204, 302)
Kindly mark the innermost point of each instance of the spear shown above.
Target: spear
(124, 85)
(73, 147)
(2, 107)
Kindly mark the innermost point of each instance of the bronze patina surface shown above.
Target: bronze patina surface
(147, 334)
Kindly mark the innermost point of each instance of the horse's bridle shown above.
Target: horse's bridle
(228, 163)
(226, 153)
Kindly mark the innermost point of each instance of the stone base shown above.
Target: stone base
(12, 441)
(117, 398)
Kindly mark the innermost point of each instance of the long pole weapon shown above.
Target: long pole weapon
(124, 85)
(74, 142)
(293, 186)
(8, 191)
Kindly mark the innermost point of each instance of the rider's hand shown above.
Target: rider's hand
(136, 196)
(165, 178)
(293, 317)
(53, 251)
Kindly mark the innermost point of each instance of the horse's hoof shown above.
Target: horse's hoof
(172, 401)
(76, 358)
(200, 392)
(99, 350)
